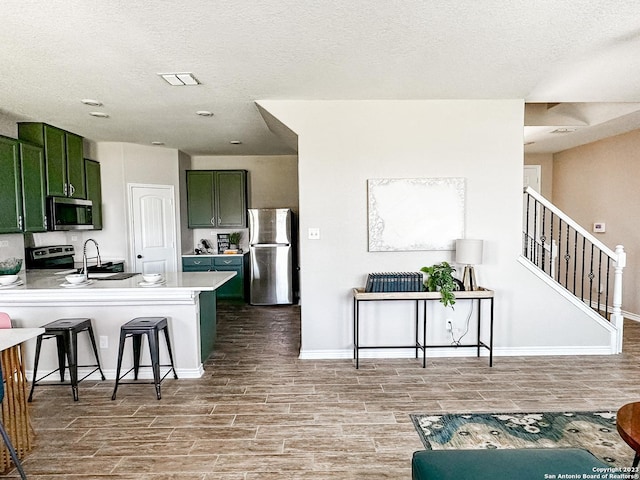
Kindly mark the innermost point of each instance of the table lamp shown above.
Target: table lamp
(469, 253)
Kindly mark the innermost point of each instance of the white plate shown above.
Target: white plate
(17, 283)
(76, 285)
(153, 284)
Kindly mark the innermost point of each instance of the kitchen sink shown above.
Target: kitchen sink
(101, 275)
(111, 275)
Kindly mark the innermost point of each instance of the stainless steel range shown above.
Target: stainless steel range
(55, 256)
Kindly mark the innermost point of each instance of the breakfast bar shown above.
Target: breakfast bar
(187, 299)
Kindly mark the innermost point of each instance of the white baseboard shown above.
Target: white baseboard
(457, 352)
(144, 374)
(631, 316)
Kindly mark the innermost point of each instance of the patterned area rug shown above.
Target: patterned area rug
(595, 431)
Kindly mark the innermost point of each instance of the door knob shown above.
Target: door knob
(139, 256)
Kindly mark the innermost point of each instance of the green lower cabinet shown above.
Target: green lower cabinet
(234, 289)
(208, 327)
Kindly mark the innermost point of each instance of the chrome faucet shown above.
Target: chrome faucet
(84, 255)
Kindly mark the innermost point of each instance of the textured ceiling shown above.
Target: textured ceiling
(55, 53)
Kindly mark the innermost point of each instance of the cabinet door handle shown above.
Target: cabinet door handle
(213, 220)
(72, 189)
(197, 262)
(64, 189)
(44, 222)
(227, 262)
(20, 222)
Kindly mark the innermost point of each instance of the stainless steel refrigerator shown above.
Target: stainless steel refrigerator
(271, 256)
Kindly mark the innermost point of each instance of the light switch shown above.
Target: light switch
(314, 234)
(599, 227)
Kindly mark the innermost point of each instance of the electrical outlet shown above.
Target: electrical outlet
(314, 234)
(449, 326)
(104, 341)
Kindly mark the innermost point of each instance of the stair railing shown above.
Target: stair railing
(573, 257)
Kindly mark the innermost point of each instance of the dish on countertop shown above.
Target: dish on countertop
(17, 283)
(76, 285)
(152, 284)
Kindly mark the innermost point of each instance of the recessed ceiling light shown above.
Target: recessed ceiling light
(157, 143)
(564, 130)
(99, 114)
(204, 113)
(235, 142)
(180, 79)
(93, 103)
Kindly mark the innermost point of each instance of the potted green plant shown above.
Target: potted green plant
(440, 278)
(234, 240)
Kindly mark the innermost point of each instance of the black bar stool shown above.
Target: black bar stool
(65, 331)
(149, 326)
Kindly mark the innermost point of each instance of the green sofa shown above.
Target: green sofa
(506, 464)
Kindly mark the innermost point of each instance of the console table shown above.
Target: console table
(483, 294)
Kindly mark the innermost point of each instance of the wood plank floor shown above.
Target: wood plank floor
(261, 413)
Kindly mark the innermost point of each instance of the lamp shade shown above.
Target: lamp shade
(468, 251)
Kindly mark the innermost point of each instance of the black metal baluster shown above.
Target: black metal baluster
(559, 249)
(584, 249)
(567, 257)
(599, 285)
(551, 223)
(591, 275)
(543, 238)
(606, 298)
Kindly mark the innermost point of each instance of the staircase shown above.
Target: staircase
(569, 256)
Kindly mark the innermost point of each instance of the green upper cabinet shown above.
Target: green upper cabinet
(231, 198)
(64, 159)
(217, 198)
(94, 190)
(33, 188)
(75, 166)
(200, 198)
(10, 187)
(22, 194)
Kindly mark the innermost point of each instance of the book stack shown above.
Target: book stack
(394, 282)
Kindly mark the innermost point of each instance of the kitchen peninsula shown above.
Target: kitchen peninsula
(187, 299)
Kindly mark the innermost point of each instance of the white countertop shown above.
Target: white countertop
(44, 286)
(10, 337)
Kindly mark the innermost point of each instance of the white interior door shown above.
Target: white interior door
(152, 215)
(532, 177)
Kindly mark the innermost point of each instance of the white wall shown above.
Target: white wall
(597, 182)
(121, 164)
(344, 143)
(272, 182)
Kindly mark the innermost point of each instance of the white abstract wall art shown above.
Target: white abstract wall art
(415, 213)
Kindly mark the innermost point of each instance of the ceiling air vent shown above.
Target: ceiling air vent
(180, 79)
(564, 130)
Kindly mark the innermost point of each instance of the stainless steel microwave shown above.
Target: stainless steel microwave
(65, 213)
